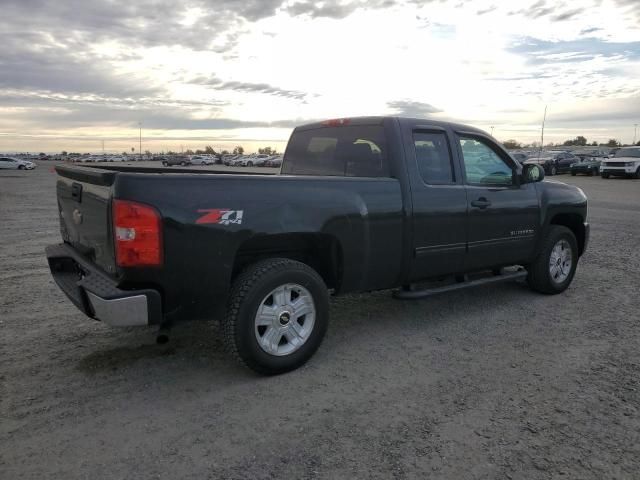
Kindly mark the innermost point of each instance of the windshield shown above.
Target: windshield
(628, 152)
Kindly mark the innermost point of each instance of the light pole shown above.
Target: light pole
(544, 118)
(140, 143)
(635, 130)
(492, 130)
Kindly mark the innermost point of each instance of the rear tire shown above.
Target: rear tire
(555, 266)
(266, 347)
(604, 175)
(637, 174)
(165, 164)
(573, 173)
(249, 164)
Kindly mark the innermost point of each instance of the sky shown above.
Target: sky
(75, 74)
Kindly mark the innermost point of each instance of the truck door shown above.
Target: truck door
(503, 215)
(439, 205)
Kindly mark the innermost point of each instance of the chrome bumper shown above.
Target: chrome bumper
(97, 295)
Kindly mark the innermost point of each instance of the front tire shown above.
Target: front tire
(277, 315)
(637, 174)
(555, 266)
(20, 167)
(604, 175)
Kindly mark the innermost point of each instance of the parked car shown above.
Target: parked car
(262, 160)
(268, 254)
(591, 153)
(15, 164)
(589, 166)
(424, 200)
(625, 163)
(554, 162)
(275, 161)
(249, 160)
(201, 160)
(228, 159)
(172, 160)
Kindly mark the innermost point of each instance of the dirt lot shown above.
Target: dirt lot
(495, 382)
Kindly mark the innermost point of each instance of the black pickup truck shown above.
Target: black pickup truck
(360, 204)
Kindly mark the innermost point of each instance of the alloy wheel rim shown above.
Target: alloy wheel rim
(284, 320)
(560, 261)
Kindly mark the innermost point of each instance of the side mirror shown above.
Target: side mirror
(532, 173)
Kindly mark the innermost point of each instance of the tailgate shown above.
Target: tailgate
(84, 203)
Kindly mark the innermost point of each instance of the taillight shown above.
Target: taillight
(137, 232)
(336, 122)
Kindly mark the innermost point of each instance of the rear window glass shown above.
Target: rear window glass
(353, 151)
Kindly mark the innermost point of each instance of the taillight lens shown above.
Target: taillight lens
(336, 122)
(137, 234)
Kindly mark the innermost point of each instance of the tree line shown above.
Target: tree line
(578, 141)
(208, 150)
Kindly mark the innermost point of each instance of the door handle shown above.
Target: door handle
(481, 203)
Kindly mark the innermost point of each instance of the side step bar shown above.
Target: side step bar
(408, 294)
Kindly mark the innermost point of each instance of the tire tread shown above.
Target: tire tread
(242, 286)
(538, 277)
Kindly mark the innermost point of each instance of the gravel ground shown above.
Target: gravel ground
(494, 382)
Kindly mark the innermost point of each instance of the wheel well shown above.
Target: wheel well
(320, 251)
(573, 222)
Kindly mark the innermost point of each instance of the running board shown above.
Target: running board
(407, 294)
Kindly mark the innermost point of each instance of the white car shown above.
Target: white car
(201, 160)
(250, 160)
(625, 163)
(14, 164)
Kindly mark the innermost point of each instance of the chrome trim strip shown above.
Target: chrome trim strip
(420, 251)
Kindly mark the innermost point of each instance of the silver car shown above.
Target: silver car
(15, 164)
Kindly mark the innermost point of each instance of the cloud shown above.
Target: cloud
(336, 10)
(553, 10)
(196, 24)
(630, 6)
(487, 10)
(544, 51)
(248, 87)
(30, 63)
(589, 30)
(567, 15)
(608, 110)
(410, 108)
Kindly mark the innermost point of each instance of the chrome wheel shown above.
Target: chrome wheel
(560, 261)
(284, 320)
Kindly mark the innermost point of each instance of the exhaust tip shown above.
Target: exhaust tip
(162, 339)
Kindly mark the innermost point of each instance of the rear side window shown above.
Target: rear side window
(433, 157)
(352, 151)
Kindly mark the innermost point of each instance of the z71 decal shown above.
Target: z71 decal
(220, 216)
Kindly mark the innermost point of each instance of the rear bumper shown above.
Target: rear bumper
(97, 295)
